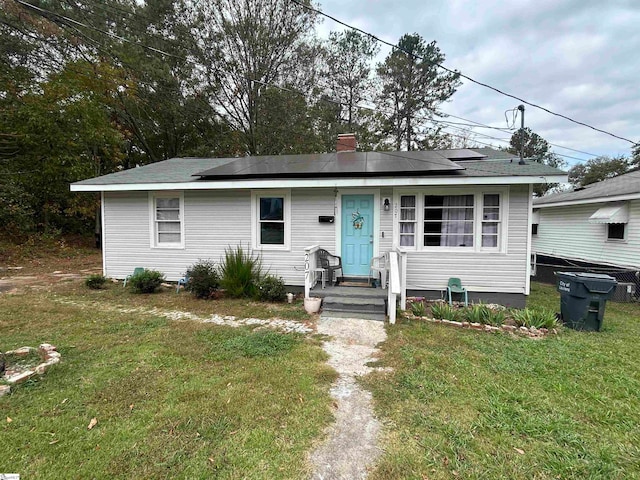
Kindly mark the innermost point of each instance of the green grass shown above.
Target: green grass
(464, 404)
(172, 399)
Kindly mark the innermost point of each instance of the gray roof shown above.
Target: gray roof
(626, 184)
(416, 163)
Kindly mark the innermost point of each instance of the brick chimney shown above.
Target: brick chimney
(346, 142)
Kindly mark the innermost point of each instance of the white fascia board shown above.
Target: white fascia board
(586, 201)
(324, 182)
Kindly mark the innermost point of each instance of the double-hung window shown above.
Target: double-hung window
(490, 220)
(448, 220)
(272, 222)
(166, 213)
(437, 219)
(408, 220)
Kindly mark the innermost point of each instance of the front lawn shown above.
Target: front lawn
(467, 404)
(171, 399)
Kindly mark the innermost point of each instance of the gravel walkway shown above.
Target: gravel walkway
(351, 447)
(287, 326)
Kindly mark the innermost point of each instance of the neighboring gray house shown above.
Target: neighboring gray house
(598, 224)
(448, 213)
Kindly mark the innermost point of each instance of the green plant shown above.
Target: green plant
(478, 313)
(271, 289)
(203, 279)
(444, 311)
(239, 272)
(146, 281)
(95, 281)
(418, 309)
(538, 318)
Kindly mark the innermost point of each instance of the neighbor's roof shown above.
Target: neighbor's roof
(345, 166)
(610, 190)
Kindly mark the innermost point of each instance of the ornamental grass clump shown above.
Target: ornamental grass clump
(444, 311)
(202, 279)
(418, 309)
(240, 271)
(147, 281)
(538, 318)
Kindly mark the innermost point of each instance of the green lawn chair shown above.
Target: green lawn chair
(136, 271)
(455, 286)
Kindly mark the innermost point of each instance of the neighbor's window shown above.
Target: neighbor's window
(448, 220)
(271, 221)
(168, 226)
(408, 221)
(490, 220)
(615, 231)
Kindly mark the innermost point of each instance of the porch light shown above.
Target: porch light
(387, 204)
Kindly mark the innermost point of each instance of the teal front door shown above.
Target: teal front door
(357, 234)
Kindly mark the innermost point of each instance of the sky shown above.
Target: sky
(579, 58)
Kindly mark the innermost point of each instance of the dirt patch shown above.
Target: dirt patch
(351, 447)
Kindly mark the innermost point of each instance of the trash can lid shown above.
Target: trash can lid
(594, 276)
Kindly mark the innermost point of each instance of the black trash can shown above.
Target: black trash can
(583, 297)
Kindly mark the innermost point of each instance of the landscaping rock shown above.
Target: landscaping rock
(21, 377)
(4, 390)
(524, 329)
(21, 352)
(476, 326)
(509, 328)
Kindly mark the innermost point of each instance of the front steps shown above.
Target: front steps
(352, 302)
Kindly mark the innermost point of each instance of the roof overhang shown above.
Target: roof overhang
(320, 183)
(587, 201)
(618, 213)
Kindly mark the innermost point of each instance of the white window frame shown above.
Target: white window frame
(499, 222)
(256, 195)
(478, 208)
(415, 221)
(617, 240)
(153, 223)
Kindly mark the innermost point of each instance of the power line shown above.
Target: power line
(45, 13)
(456, 72)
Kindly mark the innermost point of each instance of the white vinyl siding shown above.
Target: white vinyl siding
(215, 220)
(566, 232)
(492, 270)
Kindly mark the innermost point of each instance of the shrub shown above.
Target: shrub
(203, 279)
(542, 318)
(418, 309)
(95, 281)
(240, 271)
(146, 281)
(444, 311)
(271, 289)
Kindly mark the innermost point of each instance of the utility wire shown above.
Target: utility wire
(456, 72)
(48, 13)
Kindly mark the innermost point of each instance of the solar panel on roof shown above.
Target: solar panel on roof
(334, 164)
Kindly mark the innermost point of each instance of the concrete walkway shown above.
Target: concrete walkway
(351, 447)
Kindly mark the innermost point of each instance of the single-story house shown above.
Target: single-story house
(451, 213)
(596, 227)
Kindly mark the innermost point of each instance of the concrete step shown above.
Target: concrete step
(364, 316)
(354, 304)
(349, 292)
